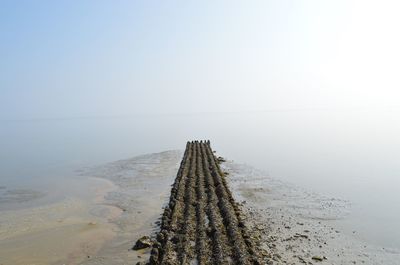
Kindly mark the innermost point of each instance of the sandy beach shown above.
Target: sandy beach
(296, 226)
(64, 232)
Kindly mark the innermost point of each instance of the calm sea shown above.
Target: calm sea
(350, 154)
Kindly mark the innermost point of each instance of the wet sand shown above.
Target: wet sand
(144, 183)
(298, 226)
(295, 225)
(64, 232)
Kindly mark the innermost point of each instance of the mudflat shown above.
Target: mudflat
(289, 224)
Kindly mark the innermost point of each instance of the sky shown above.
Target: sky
(63, 59)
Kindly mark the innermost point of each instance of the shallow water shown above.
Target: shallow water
(350, 154)
(64, 231)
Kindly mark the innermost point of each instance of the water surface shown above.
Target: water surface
(350, 154)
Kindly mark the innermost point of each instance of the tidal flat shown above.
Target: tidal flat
(125, 200)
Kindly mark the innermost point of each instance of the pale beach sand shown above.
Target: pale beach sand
(64, 232)
(128, 196)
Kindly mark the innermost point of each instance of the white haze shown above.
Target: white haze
(306, 90)
(127, 59)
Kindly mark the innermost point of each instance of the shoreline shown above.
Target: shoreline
(143, 188)
(301, 224)
(298, 226)
(63, 232)
(295, 225)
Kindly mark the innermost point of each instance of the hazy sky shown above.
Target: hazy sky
(101, 58)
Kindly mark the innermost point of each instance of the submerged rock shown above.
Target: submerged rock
(143, 242)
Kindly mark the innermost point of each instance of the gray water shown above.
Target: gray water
(350, 154)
